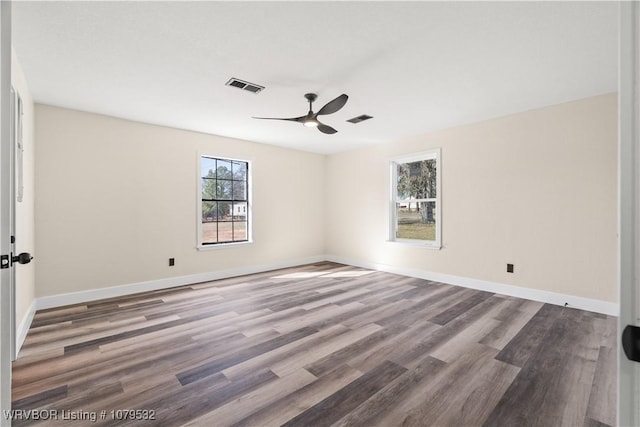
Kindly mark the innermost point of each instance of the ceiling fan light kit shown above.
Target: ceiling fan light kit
(311, 118)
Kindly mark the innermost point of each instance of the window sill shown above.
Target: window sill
(222, 245)
(418, 244)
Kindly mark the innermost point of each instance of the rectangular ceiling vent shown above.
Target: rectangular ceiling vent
(241, 84)
(360, 118)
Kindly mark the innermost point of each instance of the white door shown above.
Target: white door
(6, 212)
(629, 212)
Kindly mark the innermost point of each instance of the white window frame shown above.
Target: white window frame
(200, 244)
(393, 222)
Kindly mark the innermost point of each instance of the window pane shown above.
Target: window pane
(239, 170)
(416, 221)
(209, 232)
(239, 211)
(209, 210)
(430, 171)
(215, 211)
(416, 180)
(224, 189)
(208, 188)
(240, 230)
(224, 169)
(239, 190)
(209, 225)
(225, 231)
(208, 167)
(403, 184)
(224, 211)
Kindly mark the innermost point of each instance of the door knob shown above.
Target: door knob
(631, 342)
(23, 258)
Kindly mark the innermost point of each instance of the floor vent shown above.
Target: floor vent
(359, 119)
(241, 84)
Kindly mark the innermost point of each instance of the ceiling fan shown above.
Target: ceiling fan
(311, 119)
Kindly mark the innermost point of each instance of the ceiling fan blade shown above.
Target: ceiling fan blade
(292, 119)
(326, 129)
(333, 106)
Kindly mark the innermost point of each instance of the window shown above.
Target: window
(224, 208)
(415, 199)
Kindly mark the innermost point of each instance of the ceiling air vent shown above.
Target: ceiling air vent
(359, 119)
(241, 84)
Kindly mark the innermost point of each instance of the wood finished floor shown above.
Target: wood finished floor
(321, 345)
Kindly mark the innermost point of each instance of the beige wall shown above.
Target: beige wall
(536, 189)
(115, 199)
(25, 274)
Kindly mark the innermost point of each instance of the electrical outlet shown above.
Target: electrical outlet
(172, 262)
(509, 268)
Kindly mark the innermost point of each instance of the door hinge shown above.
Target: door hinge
(4, 261)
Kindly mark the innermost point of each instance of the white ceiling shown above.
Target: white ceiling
(415, 67)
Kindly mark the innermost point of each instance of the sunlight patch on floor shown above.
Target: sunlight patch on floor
(356, 273)
(300, 275)
(310, 274)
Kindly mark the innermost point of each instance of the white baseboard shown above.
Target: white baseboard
(152, 285)
(25, 324)
(598, 306)
(59, 300)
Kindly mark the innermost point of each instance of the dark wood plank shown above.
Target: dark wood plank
(461, 393)
(440, 336)
(191, 402)
(593, 423)
(531, 336)
(344, 355)
(460, 308)
(371, 411)
(255, 400)
(602, 402)
(198, 372)
(512, 319)
(554, 384)
(40, 398)
(288, 407)
(348, 398)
